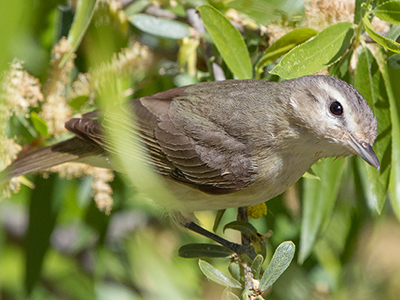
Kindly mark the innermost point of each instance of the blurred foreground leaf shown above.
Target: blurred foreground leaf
(46, 201)
(318, 201)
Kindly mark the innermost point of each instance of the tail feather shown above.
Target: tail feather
(66, 151)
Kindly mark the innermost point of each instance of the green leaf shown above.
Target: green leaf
(234, 270)
(242, 226)
(39, 124)
(284, 45)
(217, 276)
(394, 61)
(77, 102)
(160, 27)
(45, 204)
(321, 52)
(389, 12)
(136, 7)
(228, 295)
(204, 250)
(263, 11)
(256, 265)
(218, 219)
(228, 40)
(394, 32)
(383, 41)
(280, 261)
(370, 83)
(82, 18)
(319, 199)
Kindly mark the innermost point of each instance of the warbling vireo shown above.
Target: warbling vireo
(231, 143)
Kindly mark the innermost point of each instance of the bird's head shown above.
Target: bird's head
(337, 115)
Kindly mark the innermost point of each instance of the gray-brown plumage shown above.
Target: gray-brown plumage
(231, 143)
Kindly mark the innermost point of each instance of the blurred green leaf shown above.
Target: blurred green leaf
(217, 276)
(319, 197)
(369, 82)
(218, 219)
(383, 41)
(242, 226)
(39, 124)
(160, 27)
(228, 295)
(136, 7)
(263, 11)
(45, 205)
(204, 250)
(357, 11)
(388, 11)
(77, 102)
(83, 16)
(228, 40)
(394, 61)
(284, 45)
(394, 32)
(280, 261)
(256, 265)
(234, 270)
(319, 53)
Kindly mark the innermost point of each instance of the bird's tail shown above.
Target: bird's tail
(41, 159)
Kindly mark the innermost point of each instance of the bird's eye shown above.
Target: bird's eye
(336, 108)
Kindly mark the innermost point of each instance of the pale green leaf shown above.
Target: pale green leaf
(217, 276)
(136, 7)
(389, 12)
(228, 40)
(319, 53)
(280, 261)
(383, 41)
(256, 265)
(370, 83)
(228, 295)
(161, 27)
(284, 45)
(319, 199)
(234, 270)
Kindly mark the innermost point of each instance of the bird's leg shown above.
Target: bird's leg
(237, 248)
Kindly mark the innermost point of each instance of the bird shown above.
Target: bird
(228, 143)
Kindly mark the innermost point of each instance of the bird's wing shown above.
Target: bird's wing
(210, 160)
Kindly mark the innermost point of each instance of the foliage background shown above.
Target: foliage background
(56, 244)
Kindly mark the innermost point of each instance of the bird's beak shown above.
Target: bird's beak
(366, 152)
